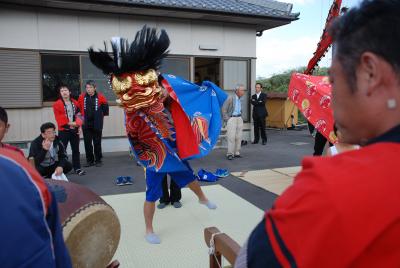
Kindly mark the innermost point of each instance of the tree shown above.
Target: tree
(280, 82)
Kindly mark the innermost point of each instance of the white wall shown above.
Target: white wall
(76, 31)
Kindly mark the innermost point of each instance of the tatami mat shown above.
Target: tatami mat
(274, 180)
(180, 230)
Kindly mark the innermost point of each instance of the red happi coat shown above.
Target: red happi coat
(60, 113)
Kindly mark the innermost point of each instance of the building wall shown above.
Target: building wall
(67, 31)
(44, 29)
(25, 123)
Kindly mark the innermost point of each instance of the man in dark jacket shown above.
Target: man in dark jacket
(259, 113)
(49, 153)
(93, 106)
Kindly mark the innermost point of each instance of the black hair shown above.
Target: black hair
(259, 84)
(91, 83)
(47, 126)
(146, 52)
(3, 115)
(60, 86)
(371, 27)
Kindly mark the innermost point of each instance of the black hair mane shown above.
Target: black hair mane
(146, 52)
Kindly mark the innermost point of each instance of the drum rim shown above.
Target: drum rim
(81, 209)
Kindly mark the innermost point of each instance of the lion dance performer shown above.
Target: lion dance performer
(168, 120)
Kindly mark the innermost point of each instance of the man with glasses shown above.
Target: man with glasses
(49, 153)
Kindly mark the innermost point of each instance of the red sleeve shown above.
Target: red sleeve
(35, 177)
(184, 133)
(80, 104)
(185, 137)
(102, 99)
(59, 114)
(13, 148)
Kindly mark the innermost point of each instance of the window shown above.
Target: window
(236, 72)
(60, 69)
(75, 70)
(91, 72)
(176, 66)
(207, 69)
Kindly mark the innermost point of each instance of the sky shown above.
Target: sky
(291, 46)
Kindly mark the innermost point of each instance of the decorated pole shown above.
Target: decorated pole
(312, 94)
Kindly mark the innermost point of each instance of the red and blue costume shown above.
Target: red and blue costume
(168, 120)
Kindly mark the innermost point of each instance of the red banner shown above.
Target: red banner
(313, 95)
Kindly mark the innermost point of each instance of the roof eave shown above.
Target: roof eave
(260, 22)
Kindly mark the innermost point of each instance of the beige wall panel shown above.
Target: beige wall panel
(180, 34)
(239, 41)
(114, 123)
(25, 123)
(58, 31)
(129, 25)
(94, 30)
(18, 29)
(69, 31)
(210, 35)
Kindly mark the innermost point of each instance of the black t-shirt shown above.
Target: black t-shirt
(90, 109)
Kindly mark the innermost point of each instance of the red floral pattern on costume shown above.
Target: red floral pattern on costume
(200, 129)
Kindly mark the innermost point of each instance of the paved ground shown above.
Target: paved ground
(284, 149)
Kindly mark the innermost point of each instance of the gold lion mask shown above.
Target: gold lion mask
(137, 90)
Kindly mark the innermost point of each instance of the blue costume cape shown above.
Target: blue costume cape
(202, 106)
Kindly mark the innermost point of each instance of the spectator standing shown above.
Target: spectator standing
(259, 113)
(93, 106)
(232, 115)
(67, 114)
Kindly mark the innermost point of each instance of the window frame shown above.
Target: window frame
(191, 70)
(56, 53)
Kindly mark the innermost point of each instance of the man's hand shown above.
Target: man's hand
(46, 144)
(72, 124)
(59, 171)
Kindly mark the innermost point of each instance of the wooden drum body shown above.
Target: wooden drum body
(91, 228)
